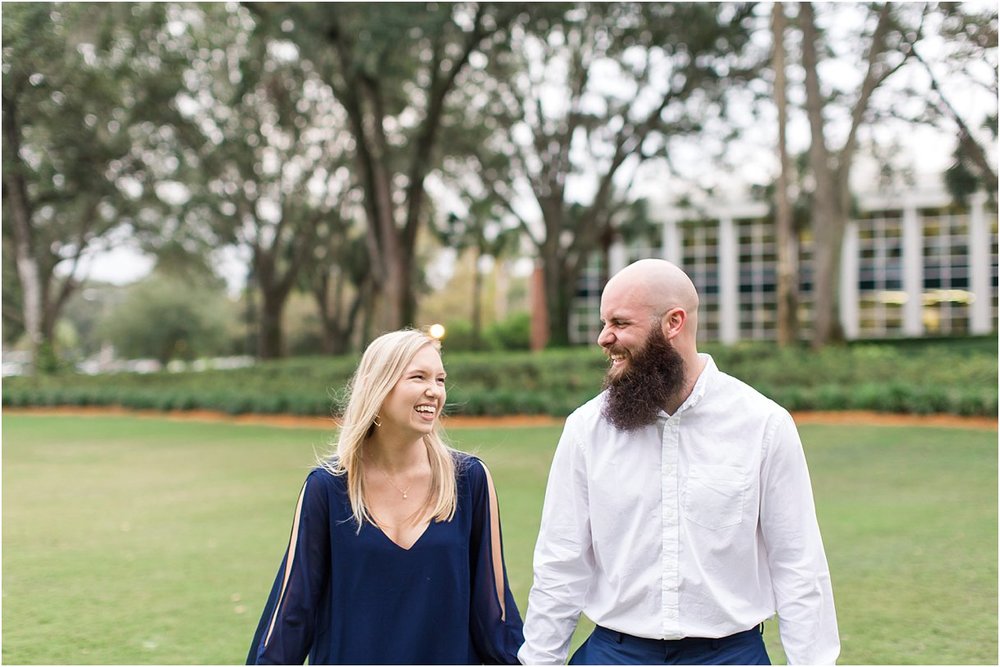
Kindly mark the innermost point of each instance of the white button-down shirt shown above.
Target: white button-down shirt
(701, 525)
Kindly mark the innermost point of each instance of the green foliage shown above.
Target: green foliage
(513, 333)
(263, 157)
(165, 318)
(46, 359)
(460, 336)
(953, 376)
(85, 88)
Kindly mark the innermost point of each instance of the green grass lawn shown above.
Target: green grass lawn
(141, 540)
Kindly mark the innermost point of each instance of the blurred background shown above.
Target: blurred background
(215, 206)
(206, 185)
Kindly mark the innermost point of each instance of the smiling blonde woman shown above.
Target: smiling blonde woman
(395, 551)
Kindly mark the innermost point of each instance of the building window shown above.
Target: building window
(758, 279)
(945, 282)
(584, 313)
(946, 285)
(993, 269)
(806, 300)
(700, 260)
(880, 275)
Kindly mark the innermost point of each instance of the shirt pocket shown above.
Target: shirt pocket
(714, 495)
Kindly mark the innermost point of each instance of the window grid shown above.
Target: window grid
(993, 268)
(806, 300)
(946, 281)
(584, 314)
(700, 260)
(946, 278)
(758, 260)
(880, 275)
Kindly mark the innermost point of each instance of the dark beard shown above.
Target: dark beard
(654, 374)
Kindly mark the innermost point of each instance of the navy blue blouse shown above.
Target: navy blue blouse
(344, 597)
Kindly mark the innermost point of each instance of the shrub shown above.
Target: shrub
(514, 333)
(930, 378)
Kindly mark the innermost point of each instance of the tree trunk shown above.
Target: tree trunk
(362, 103)
(389, 266)
(369, 306)
(477, 302)
(406, 310)
(342, 341)
(787, 241)
(320, 290)
(826, 217)
(273, 294)
(560, 288)
(337, 324)
(28, 270)
(270, 341)
(394, 279)
(252, 321)
(539, 309)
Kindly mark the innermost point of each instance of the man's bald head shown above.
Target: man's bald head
(659, 284)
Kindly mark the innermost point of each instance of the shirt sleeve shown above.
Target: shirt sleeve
(800, 575)
(564, 557)
(284, 634)
(495, 622)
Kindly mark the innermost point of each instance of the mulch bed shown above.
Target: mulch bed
(852, 417)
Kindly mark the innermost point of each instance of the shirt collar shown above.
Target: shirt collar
(700, 386)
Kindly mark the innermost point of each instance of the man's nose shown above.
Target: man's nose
(605, 338)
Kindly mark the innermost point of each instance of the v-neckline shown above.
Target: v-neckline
(397, 544)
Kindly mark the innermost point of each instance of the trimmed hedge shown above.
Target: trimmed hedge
(957, 376)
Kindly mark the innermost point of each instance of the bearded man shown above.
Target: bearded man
(679, 513)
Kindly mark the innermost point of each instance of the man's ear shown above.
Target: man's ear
(672, 322)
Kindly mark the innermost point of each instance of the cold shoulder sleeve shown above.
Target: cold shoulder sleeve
(285, 632)
(495, 622)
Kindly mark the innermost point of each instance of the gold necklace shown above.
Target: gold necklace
(402, 491)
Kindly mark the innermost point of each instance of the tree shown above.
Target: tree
(912, 55)
(786, 237)
(191, 319)
(340, 281)
(79, 83)
(393, 67)
(885, 53)
(969, 62)
(571, 144)
(261, 143)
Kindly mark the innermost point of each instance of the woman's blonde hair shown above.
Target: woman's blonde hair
(382, 365)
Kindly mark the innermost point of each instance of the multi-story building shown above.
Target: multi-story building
(914, 264)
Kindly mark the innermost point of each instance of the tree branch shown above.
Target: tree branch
(966, 139)
(876, 74)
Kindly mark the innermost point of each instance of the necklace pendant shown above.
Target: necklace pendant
(405, 496)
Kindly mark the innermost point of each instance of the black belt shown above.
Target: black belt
(690, 642)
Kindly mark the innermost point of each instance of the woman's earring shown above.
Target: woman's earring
(376, 422)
